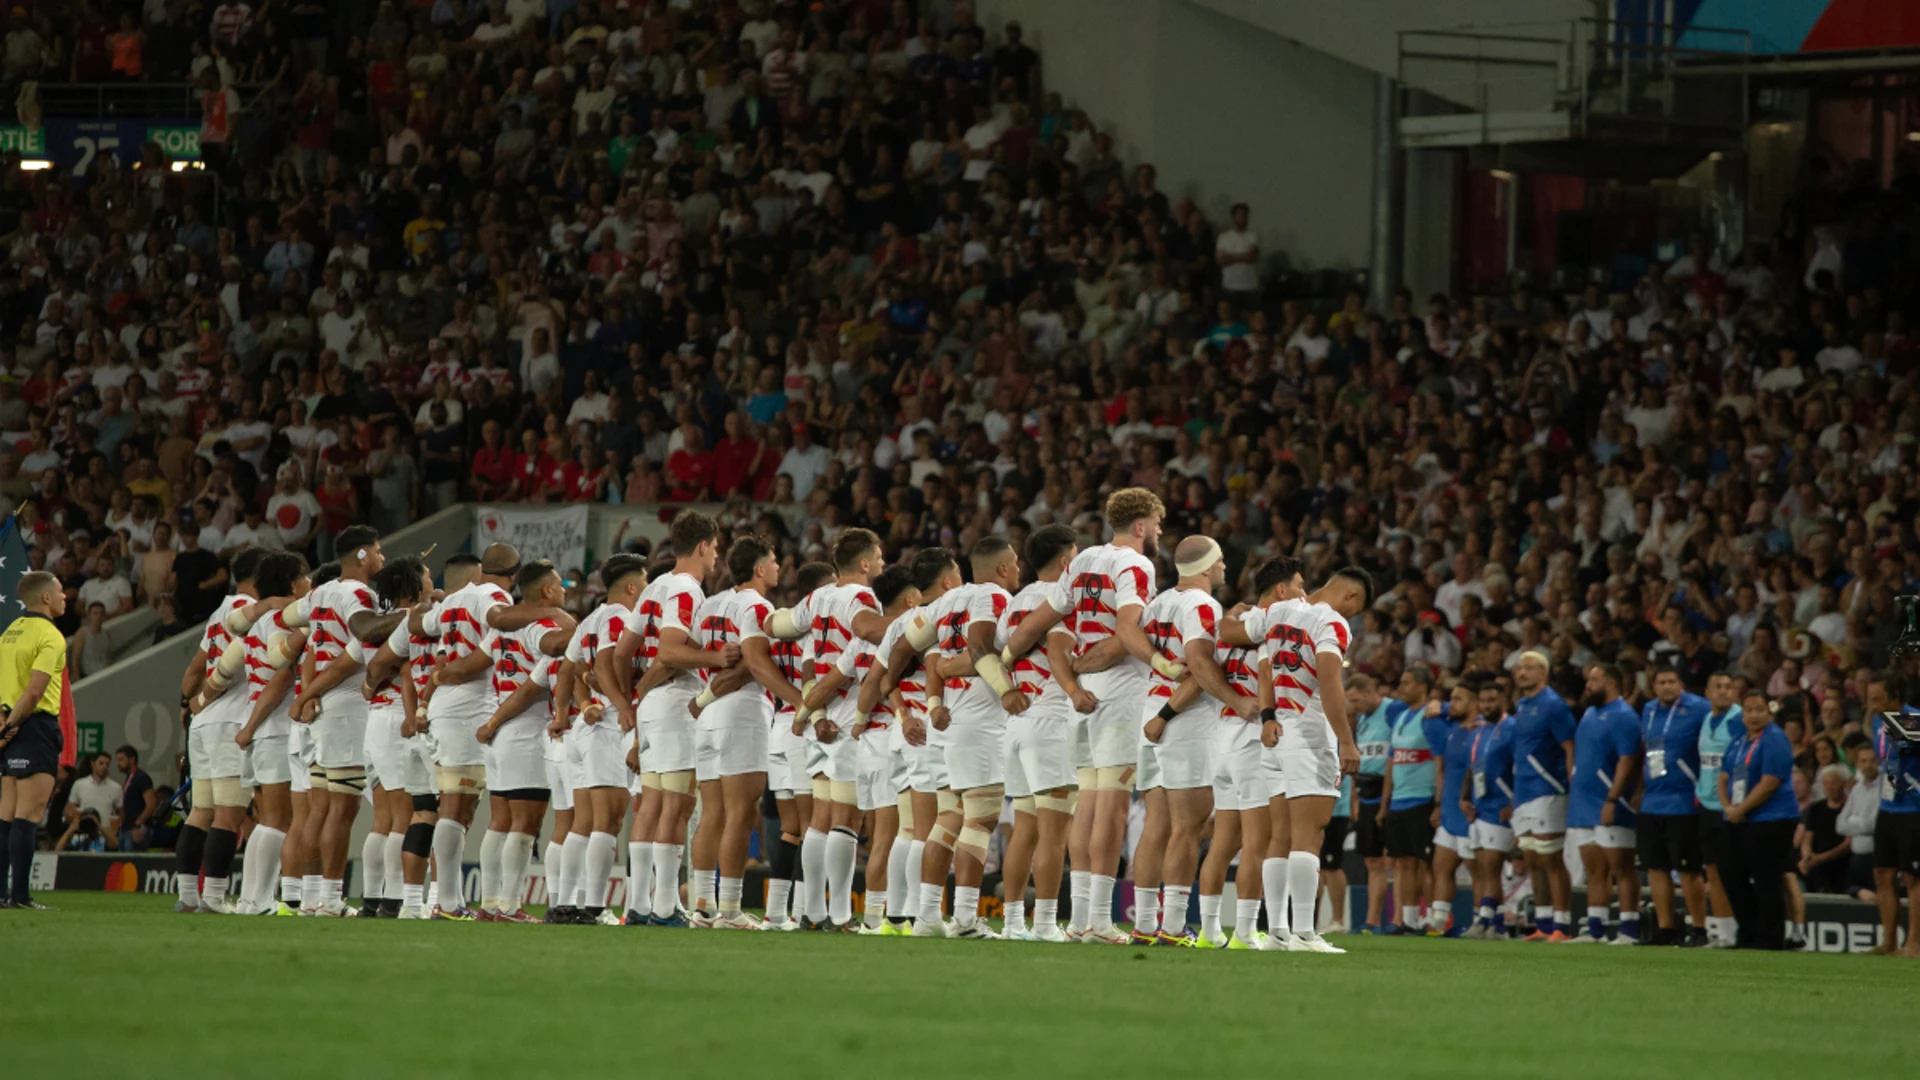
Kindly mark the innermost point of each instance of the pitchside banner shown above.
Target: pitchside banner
(558, 533)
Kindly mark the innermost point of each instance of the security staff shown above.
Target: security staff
(33, 665)
(1669, 831)
(1756, 787)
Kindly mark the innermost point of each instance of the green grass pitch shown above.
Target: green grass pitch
(116, 985)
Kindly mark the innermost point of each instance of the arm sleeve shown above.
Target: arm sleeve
(1131, 586)
(1255, 621)
(431, 623)
(988, 606)
(1626, 739)
(1561, 723)
(848, 662)
(1060, 597)
(51, 657)
(1776, 759)
(1196, 623)
(753, 619)
(1330, 634)
(677, 612)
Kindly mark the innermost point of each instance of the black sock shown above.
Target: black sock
(6, 825)
(188, 849)
(781, 865)
(218, 855)
(20, 843)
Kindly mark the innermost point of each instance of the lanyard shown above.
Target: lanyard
(1667, 724)
(1747, 762)
(1473, 752)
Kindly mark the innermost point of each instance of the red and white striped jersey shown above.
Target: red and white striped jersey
(260, 636)
(459, 624)
(855, 661)
(730, 618)
(795, 658)
(599, 631)
(1293, 634)
(417, 651)
(329, 609)
(1032, 674)
(913, 682)
(230, 707)
(834, 608)
(516, 653)
(668, 603)
(1100, 583)
(950, 616)
(1174, 620)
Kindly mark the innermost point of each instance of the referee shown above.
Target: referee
(33, 661)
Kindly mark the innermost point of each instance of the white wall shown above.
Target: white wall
(1228, 112)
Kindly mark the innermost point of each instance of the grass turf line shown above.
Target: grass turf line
(110, 980)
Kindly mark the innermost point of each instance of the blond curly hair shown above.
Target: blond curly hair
(1128, 505)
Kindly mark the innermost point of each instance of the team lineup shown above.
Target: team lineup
(909, 701)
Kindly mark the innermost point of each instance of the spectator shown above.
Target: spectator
(139, 802)
(90, 649)
(94, 793)
(107, 589)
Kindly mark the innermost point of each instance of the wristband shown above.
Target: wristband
(705, 699)
(1269, 716)
(1167, 711)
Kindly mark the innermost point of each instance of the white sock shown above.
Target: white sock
(1046, 910)
(574, 860)
(516, 855)
(597, 869)
(666, 878)
(876, 907)
(1439, 914)
(215, 892)
(1729, 928)
(335, 890)
(1273, 885)
(813, 874)
(705, 889)
(1303, 888)
(290, 891)
(1409, 913)
(730, 889)
(897, 887)
(313, 890)
(1563, 920)
(930, 897)
(396, 866)
(843, 847)
(1174, 918)
(778, 890)
(966, 905)
(1146, 909)
(916, 857)
(1079, 889)
(1016, 915)
(1210, 917)
(373, 866)
(413, 896)
(553, 868)
(490, 888)
(640, 877)
(1246, 919)
(264, 846)
(449, 849)
(1099, 902)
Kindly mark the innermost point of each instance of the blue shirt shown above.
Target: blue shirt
(1672, 736)
(1899, 771)
(1490, 754)
(1453, 779)
(1540, 724)
(1414, 737)
(1607, 734)
(1751, 757)
(1716, 731)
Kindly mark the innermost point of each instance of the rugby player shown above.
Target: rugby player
(1487, 803)
(1178, 736)
(662, 639)
(1310, 743)
(1542, 744)
(396, 676)
(272, 656)
(787, 750)
(1600, 823)
(1106, 588)
(517, 730)
(1451, 844)
(457, 703)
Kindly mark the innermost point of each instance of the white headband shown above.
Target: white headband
(1196, 567)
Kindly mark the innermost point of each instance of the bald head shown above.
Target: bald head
(499, 560)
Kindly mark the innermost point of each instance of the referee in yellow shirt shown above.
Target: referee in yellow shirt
(33, 661)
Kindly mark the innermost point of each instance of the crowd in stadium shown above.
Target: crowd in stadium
(849, 265)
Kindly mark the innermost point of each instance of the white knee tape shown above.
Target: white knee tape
(905, 805)
(677, 782)
(201, 792)
(974, 838)
(351, 780)
(227, 791)
(650, 780)
(1113, 778)
(1024, 804)
(823, 789)
(949, 802)
(1085, 776)
(942, 836)
(982, 804)
(845, 792)
(1059, 804)
(460, 779)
